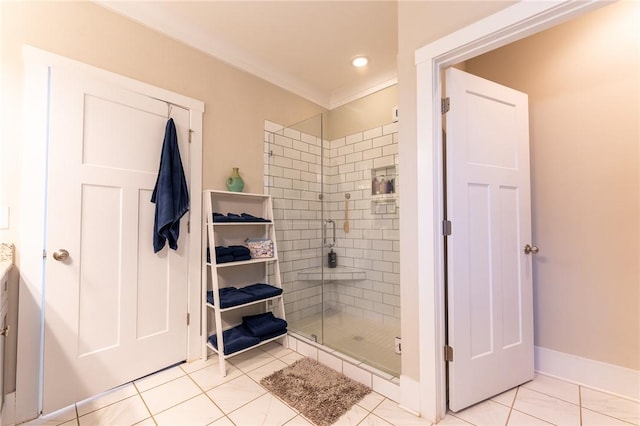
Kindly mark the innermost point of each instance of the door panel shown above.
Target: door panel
(490, 305)
(510, 253)
(114, 310)
(153, 283)
(100, 284)
(480, 268)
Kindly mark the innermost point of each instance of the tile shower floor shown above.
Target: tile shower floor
(195, 394)
(360, 338)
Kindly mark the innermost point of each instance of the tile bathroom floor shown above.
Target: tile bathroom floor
(195, 394)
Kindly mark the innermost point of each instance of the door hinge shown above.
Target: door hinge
(44, 253)
(188, 227)
(448, 353)
(190, 133)
(445, 105)
(188, 318)
(446, 227)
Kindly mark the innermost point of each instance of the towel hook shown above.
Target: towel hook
(169, 108)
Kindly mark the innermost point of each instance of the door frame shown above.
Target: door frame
(511, 24)
(33, 143)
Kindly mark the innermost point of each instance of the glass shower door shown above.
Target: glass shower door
(336, 215)
(294, 177)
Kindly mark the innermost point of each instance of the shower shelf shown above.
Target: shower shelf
(340, 273)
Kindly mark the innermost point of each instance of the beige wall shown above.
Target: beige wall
(583, 81)
(236, 103)
(365, 113)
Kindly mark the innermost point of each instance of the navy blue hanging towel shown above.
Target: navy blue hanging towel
(170, 194)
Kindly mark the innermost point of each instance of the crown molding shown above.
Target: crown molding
(339, 98)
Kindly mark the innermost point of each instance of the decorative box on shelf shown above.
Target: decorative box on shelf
(260, 247)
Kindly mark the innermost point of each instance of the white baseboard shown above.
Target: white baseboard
(598, 375)
(409, 395)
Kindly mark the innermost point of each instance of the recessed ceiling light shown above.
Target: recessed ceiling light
(360, 61)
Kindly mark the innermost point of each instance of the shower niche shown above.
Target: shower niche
(383, 190)
(383, 181)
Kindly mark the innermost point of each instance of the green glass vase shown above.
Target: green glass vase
(235, 182)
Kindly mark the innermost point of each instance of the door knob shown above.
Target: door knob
(60, 255)
(530, 249)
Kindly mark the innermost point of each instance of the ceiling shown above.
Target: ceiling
(303, 46)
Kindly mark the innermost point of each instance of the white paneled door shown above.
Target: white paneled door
(114, 310)
(489, 277)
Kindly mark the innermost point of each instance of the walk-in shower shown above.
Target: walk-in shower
(336, 216)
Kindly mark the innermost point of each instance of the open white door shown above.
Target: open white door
(114, 310)
(490, 302)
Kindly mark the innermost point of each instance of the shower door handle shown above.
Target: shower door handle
(333, 239)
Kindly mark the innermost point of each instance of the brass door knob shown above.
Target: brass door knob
(530, 249)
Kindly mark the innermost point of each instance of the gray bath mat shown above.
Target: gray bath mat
(321, 394)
